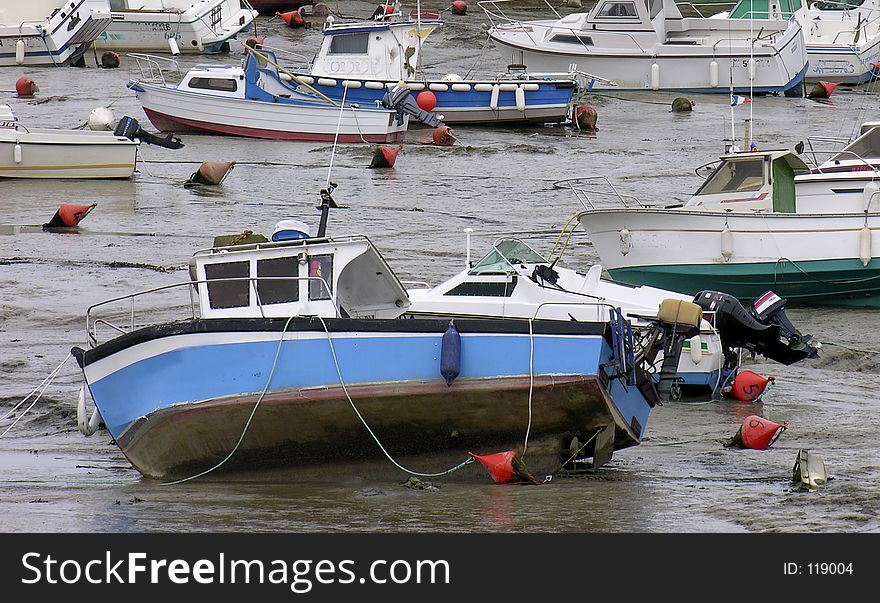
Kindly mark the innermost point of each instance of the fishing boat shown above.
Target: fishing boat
(49, 32)
(762, 220)
(515, 281)
(842, 38)
(295, 352)
(254, 100)
(648, 45)
(176, 26)
(365, 58)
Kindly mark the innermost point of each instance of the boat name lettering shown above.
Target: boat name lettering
(348, 67)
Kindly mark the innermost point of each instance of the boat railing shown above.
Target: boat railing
(92, 324)
(591, 190)
(151, 67)
(861, 162)
(714, 6)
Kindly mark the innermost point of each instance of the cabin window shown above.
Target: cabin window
(228, 293)
(270, 286)
(320, 266)
(617, 10)
(500, 289)
(573, 39)
(222, 84)
(735, 176)
(118, 4)
(349, 43)
(507, 252)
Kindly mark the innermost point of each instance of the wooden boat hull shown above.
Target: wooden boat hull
(177, 397)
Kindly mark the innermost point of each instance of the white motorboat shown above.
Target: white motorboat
(55, 153)
(515, 281)
(648, 45)
(49, 32)
(761, 220)
(254, 100)
(176, 26)
(842, 37)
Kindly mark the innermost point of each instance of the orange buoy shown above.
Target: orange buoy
(506, 467)
(211, 172)
(822, 90)
(292, 18)
(749, 386)
(426, 100)
(254, 43)
(585, 118)
(384, 157)
(109, 60)
(69, 215)
(757, 433)
(25, 86)
(444, 136)
(459, 8)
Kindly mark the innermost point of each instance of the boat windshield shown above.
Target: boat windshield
(838, 4)
(761, 9)
(866, 147)
(735, 176)
(505, 255)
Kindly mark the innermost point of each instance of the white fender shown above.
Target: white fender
(696, 349)
(655, 76)
(520, 99)
(751, 69)
(16, 153)
(19, 52)
(493, 98)
(175, 49)
(625, 241)
(713, 73)
(87, 426)
(865, 245)
(726, 243)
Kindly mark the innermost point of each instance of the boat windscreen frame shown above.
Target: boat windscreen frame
(504, 257)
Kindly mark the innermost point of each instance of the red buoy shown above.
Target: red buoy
(384, 157)
(758, 433)
(109, 60)
(585, 118)
(459, 8)
(426, 100)
(69, 215)
(444, 136)
(254, 43)
(25, 86)
(823, 90)
(506, 467)
(292, 18)
(749, 386)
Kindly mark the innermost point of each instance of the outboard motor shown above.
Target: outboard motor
(129, 127)
(764, 328)
(400, 99)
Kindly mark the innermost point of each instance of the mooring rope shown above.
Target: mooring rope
(41, 388)
(468, 461)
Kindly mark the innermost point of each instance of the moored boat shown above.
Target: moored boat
(253, 100)
(296, 354)
(176, 26)
(50, 32)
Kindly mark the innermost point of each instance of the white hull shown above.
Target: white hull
(170, 109)
(202, 28)
(55, 41)
(65, 154)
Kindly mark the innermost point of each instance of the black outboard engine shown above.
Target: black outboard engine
(764, 328)
(400, 99)
(131, 129)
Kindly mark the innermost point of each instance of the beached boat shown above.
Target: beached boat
(761, 220)
(515, 281)
(842, 37)
(295, 353)
(50, 32)
(648, 45)
(365, 58)
(54, 153)
(176, 26)
(254, 100)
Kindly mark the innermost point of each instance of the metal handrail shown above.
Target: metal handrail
(583, 192)
(91, 325)
(150, 68)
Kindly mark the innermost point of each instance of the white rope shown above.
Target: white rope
(250, 418)
(336, 136)
(360, 416)
(42, 387)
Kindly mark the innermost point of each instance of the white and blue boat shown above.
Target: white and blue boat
(364, 59)
(297, 352)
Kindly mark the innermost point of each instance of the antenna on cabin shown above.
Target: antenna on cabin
(327, 203)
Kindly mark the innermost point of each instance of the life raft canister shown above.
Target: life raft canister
(749, 386)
